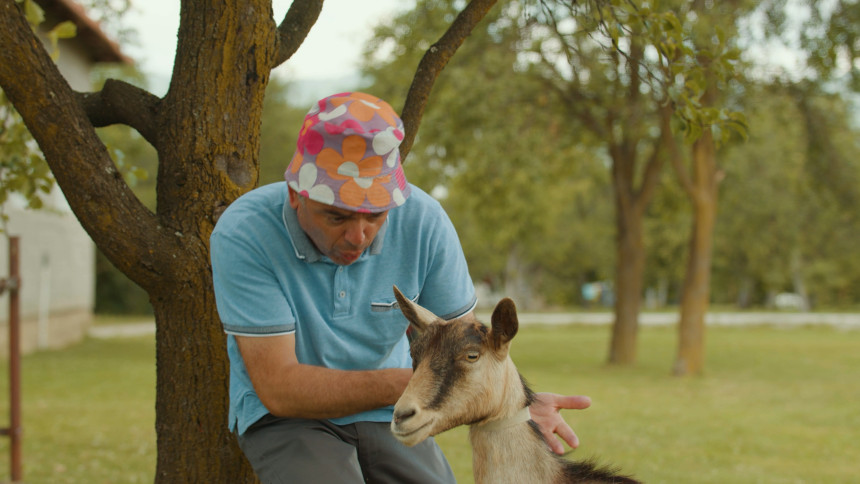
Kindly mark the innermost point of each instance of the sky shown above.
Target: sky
(338, 37)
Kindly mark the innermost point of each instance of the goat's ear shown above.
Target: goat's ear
(504, 322)
(418, 316)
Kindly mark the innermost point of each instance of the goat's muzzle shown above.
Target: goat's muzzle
(408, 426)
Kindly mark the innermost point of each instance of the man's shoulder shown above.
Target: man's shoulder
(271, 194)
(419, 203)
(422, 217)
(264, 201)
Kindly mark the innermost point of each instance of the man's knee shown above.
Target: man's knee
(298, 450)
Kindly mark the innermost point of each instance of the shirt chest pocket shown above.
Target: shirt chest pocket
(388, 303)
(387, 317)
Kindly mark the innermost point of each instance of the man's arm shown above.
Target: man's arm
(290, 389)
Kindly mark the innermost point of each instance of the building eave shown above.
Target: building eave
(99, 45)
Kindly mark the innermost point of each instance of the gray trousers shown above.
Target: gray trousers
(300, 451)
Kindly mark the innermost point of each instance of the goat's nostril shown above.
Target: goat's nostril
(405, 414)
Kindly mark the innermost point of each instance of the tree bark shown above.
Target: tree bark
(630, 206)
(206, 132)
(695, 298)
(629, 267)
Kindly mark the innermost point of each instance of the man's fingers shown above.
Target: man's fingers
(571, 402)
(575, 402)
(553, 443)
(568, 435)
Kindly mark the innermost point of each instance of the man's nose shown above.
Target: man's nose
(356, 232)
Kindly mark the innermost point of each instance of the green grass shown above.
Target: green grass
(88, 414)
(775, 406)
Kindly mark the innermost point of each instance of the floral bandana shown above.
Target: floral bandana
(347, 154)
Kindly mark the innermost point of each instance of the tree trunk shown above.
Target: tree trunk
(695, 296)
(629, 269)
(630, 205)
(193, 441)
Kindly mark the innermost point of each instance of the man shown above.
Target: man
(303, 272)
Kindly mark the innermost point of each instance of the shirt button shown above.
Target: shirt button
(342, 294)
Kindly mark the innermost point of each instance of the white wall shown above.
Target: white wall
(57, 257)
(57, 290)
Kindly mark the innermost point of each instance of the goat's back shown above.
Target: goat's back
(587, 472)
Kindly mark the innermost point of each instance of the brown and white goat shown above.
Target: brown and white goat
(463, 375)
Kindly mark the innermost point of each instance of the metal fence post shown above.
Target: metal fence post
(13, 285)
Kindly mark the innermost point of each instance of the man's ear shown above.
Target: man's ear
(294, 198)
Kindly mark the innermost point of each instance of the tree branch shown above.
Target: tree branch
(434, 60)
(120, 102)
(108, 210)
(655, 162)
(292, 31)
(677, 161)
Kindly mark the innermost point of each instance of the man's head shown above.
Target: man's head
(347, 154)
(346, 173)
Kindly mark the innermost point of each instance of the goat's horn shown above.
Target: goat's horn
(417, 315)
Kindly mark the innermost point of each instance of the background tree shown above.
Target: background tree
(667, 228)
(598, 59)
(764, 188)
(797, 195)
(502, 160)
(206, 133)
(706, 65)
(819, 85)
(826, 35)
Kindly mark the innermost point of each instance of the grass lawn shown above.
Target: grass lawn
(88, 414)
(775, 406)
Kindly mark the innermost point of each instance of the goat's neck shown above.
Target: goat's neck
(505, 449)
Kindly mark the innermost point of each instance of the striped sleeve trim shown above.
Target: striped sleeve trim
(260, 332)
(462, 311)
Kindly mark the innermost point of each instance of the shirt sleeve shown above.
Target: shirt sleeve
(447, 289)
(247, 293)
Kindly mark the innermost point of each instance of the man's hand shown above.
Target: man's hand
(545, 412)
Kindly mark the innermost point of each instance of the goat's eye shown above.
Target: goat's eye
(472, 356)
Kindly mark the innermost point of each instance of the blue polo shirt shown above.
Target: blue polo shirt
(270, 280)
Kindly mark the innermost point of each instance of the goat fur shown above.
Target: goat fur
(463, 375)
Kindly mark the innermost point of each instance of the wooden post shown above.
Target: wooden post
(13, 284)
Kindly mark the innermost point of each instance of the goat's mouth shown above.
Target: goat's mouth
(412, 436)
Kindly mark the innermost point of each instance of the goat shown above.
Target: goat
(463, 375)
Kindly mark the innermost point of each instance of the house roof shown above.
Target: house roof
(100, 46)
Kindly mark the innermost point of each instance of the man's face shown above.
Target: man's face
(339, 234)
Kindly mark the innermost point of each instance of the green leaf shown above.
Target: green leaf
(34, 13)
(64, 30)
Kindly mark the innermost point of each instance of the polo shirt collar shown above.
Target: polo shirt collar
(307, 251)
